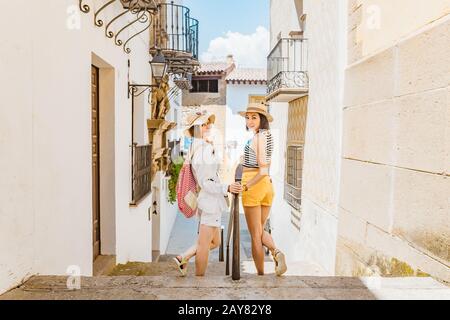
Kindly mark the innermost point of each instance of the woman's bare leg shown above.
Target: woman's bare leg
(267, 239)
(253, 217)
(189, 253)
(205, 241)
(216, 241)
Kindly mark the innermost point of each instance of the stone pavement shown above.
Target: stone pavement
(250, 287)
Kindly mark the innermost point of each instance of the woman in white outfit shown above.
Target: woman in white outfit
(211, 201)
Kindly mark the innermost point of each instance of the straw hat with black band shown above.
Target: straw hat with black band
(260, 108)
(198, 119)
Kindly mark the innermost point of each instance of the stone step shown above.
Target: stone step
(104, 265)
(221, 287)
(163, 268)
(166, 267)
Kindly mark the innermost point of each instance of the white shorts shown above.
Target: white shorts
(210, 219)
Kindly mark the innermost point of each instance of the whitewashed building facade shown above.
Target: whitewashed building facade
(67, 127)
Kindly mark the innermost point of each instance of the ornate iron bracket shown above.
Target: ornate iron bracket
(135, 90)
(135, 13)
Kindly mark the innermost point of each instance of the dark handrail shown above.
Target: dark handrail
(233, 228)
(230, 228)
(236, 263)
(221, 245)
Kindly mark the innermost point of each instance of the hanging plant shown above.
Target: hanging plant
(174, 172)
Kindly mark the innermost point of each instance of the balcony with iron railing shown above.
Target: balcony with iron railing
(175, 32)
(287, 70)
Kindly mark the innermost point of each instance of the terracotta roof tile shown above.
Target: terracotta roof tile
(248, 75)
(213, 67)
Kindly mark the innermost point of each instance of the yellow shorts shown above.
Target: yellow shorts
(260, 194)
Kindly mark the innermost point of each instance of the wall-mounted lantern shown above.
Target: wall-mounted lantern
(159, 66)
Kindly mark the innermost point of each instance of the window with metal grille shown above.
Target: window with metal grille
(205, 86)
(141, 172)
(213, 86)
(293, 182)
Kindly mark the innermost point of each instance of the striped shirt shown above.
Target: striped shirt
(250, 159)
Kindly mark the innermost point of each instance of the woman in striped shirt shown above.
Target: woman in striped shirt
(258, 193)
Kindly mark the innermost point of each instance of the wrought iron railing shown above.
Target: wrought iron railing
(141, 172)
(193, 30)
(287, 65)
(175, 30)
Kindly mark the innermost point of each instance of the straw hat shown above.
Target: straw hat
(260, 108)
(197, 119)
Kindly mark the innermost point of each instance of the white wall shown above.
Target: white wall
(168, 215)
(46, 213)
(395, 185)
(283, 19)
(17, 215)
(141, 109)
(325, 29)
(163, 214)
(382, 25)
(237, 95)
(175, 115)
(168, 212)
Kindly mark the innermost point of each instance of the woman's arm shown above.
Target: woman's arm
(262, 158)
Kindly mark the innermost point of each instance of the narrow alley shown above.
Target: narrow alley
(119, 118)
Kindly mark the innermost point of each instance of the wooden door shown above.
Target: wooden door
(95, 163)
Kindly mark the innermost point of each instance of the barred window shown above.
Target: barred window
(205, 86)
(141, 172)
(293, 182)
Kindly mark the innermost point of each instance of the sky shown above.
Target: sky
(238, 27)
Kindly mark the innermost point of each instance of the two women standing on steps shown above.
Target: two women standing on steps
(257, 189)
(211, 201)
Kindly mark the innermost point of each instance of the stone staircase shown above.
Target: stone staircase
(161, 280)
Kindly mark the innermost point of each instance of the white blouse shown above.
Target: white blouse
(205, 165)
